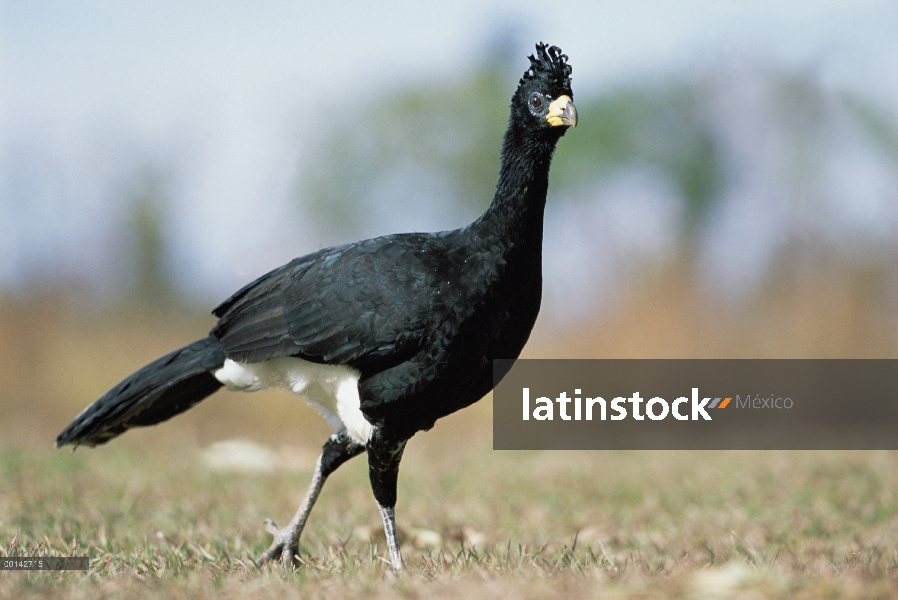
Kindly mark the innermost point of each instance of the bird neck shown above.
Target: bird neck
(515, 217)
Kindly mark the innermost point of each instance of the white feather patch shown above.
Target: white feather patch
(332, 389)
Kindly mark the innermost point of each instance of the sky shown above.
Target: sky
(228, 96)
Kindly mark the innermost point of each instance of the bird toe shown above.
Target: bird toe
(283, 548)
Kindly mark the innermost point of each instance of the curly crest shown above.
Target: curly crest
(549, 62)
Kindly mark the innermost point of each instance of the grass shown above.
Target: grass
(158, 521)
(155, 521)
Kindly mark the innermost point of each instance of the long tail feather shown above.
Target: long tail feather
(162, 389)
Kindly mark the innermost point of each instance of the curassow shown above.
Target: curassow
(383, 336)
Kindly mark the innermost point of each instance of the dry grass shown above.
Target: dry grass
(157, 521)
(545, 523)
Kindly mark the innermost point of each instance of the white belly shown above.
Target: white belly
(332, 389)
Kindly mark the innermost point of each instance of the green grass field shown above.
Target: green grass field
(157, 520)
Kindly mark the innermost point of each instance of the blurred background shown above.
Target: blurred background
(731, 191)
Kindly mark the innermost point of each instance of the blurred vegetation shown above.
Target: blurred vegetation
(453, 132)
(881, 128)
(425, 155)
(440, 143)
(661, 128)
(150, 279)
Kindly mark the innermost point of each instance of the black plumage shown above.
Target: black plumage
(418, 318)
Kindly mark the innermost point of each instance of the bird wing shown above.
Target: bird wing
(364, 305)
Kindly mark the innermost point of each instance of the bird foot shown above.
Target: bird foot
(284, 548)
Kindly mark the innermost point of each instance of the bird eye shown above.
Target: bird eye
(536, 101)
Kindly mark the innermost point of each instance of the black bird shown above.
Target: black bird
(383, 336)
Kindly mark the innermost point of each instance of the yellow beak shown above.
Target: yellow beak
(562, 112)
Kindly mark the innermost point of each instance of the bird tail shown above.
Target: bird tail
(162, 389)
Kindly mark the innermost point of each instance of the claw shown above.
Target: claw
(285, 546)
(282, 547)
(271, 527)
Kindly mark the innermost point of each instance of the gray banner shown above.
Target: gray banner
(696, 404)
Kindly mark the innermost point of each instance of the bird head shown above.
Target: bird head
(544, 99)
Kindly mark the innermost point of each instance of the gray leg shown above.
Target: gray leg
(384, 455)
(337, 450)
(389, 518)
